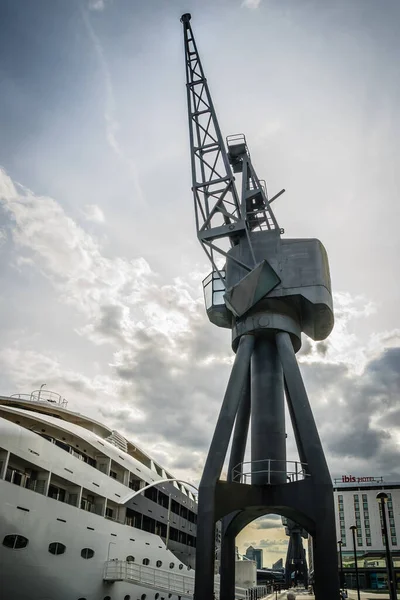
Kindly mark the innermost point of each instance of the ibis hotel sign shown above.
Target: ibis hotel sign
(353, 479)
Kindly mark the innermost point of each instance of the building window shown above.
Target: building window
(87, 553)
(368, 542)
(56, 548)
(130, 558)
(394, 541)
(15, 542)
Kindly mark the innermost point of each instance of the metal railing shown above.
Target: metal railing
(42, 395)
(293, 470)
(174, 583)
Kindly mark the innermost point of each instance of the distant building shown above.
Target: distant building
(278, 565)
(255, 554)
(356, 504)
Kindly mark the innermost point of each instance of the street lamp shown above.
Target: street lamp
(382, 498)
(341, 565)
(353, 531)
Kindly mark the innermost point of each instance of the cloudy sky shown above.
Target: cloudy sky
(101, 271)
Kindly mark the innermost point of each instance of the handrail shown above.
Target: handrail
(153, 484)
(175, 583)
(42, 395)
(241, 472)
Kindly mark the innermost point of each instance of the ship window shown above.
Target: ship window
(171, 565)
(146, 561)
(87, 553)
(56, 548)
(81, 598)
(157, 596)
(189, 567)
(16, 542)
(158, 563)
(107, 598)
(127, 597)
(130, 558)
(143, 597)
(181, 566)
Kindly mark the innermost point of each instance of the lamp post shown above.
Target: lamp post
(341, 565)
(353, 531)
(40, 391)
(382, 498)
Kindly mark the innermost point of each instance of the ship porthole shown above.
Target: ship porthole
(130, 558)
(87, 553)
(127, 597)
(143, 597)
(171, 565)
(56, 548)
(16, 542)
(146, 561)
(107, 598)
(159, 563)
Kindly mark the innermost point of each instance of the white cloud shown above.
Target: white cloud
(92, 212)
(252, 4)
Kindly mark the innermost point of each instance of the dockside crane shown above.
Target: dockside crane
(268, 290)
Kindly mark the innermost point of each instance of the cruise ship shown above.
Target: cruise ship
(86, 514)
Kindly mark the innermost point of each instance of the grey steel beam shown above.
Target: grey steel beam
(268, 436)
(205, 545)
(301, 412)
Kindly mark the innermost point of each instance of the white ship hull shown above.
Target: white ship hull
(86, 515)
(35, 574)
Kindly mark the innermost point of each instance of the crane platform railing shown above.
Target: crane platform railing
(295, 471)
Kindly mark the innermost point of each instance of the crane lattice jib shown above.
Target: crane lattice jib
(216, 201)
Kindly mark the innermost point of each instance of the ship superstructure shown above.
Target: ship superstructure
(71, 516)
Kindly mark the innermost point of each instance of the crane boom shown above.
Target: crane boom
(216, 200)
(221, 216)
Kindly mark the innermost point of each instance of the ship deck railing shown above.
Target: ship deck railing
(174, 583)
